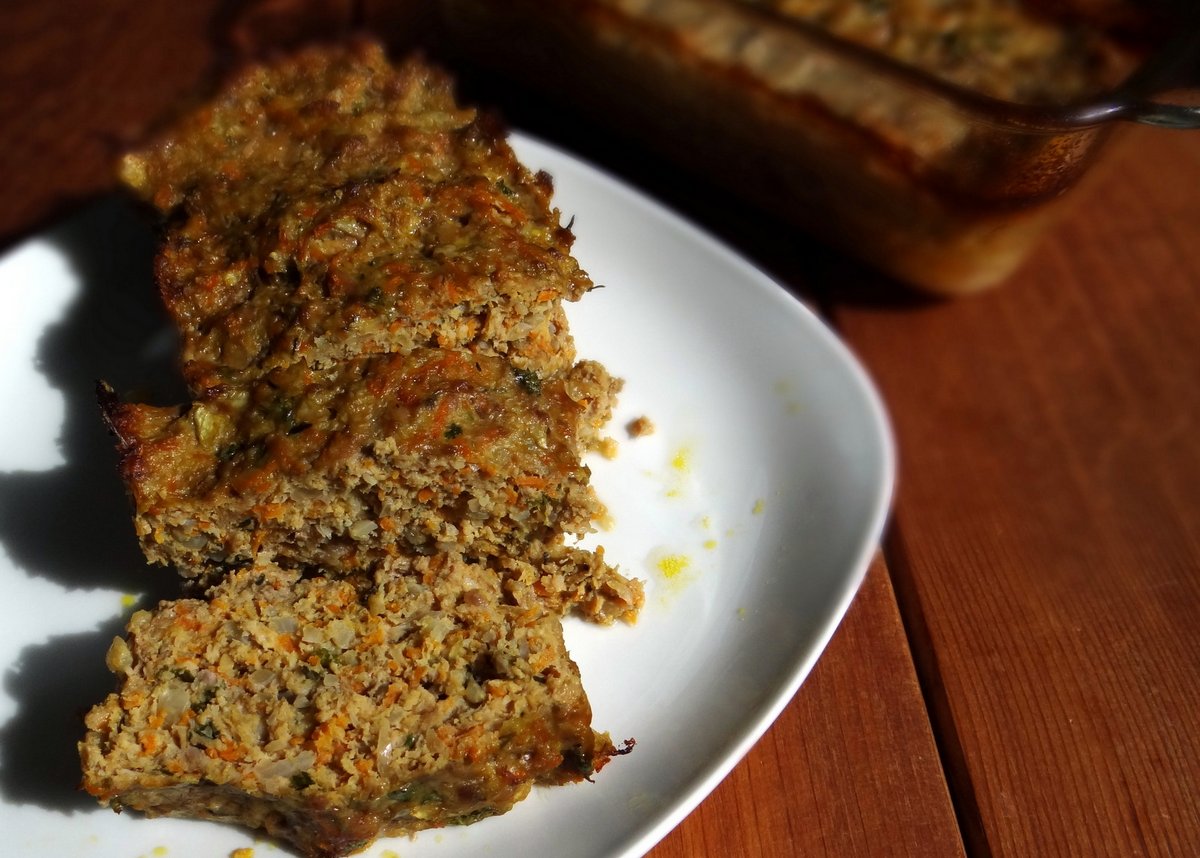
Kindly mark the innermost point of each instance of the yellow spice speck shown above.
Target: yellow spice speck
(759, 506)
(128, 600)
(159, 851)
(673, 564)
(682, 460)
(244, 852)
(388, 853)
(710, 544)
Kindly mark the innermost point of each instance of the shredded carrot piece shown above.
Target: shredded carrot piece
(393, 693)
(540, 661)
(268, 511)
(230, 752)
(184, 619)
(328, 735)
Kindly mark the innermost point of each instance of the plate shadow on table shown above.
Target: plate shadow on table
(71, 525)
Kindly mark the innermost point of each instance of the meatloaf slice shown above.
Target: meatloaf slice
(329, 712)
(395, 454)
(331, 205)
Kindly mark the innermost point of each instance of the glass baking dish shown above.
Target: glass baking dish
(943, 187)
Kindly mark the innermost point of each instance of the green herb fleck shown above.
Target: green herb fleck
(473, 816)
(529, 380)
(453, 431)
(575, 760)
(310, 673)
(416, 793)
(206, 730)
(954, 45)
(301, 780)
(282, 410)
(205, 697)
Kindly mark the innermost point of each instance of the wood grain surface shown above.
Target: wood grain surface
(1047, 536)
(850, 768)
(1020, 674)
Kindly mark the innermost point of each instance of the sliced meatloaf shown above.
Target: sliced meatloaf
(330, 205)
(329, 712)
(406, 453)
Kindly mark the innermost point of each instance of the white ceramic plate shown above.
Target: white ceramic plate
(751, 513)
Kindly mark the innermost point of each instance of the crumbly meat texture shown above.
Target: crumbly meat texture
(396, 454)
(333, 205)
(329, 712)
(565, 578)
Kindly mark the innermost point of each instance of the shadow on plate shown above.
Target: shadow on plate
(71, 525)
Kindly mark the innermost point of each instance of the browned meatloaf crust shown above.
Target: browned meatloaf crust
(332, 205)
(431, 450)
(330, 712)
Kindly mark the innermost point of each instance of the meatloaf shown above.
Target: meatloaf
(1003, 48)
(331, 205)
(328, 711)
(429, 450)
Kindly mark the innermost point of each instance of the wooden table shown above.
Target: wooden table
(1020, 674)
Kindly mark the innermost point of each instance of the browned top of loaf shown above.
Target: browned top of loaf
(332, 200)
(244, 439)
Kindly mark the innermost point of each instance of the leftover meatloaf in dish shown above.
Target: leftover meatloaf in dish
(329, 711)
(999, 47)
